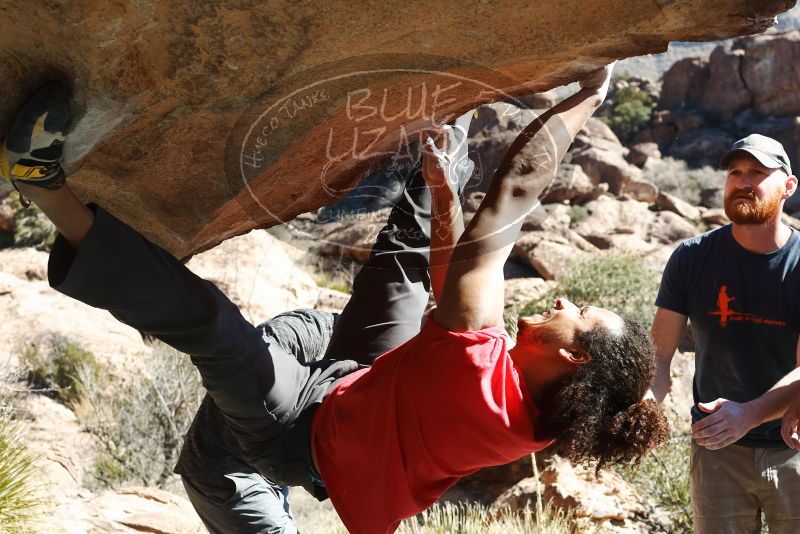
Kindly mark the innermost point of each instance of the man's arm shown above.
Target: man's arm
(668, 327)
(730, 421)
(444, 165)
(472, 297)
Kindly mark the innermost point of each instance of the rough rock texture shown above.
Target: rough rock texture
(770, 71)
(65, 452)
(684, 82)
(606, 496)
(601, 155)
(259, 273)
(670, 228)
(608, 217)
(166, 92)
(641, 190)
(350, 238)
(749, 85)
(492, 131)
(672, 203)
(725, 94)
(759, 71)
(642, 153)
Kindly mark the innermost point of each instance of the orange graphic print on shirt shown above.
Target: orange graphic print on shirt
(727, 314)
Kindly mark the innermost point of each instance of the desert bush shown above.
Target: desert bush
(622, 284)
(578, 214)
(631, 111)
(663, 476)
(331, 273)
(53, 363)
(674, 177)
(31, 227)
(140, 423)
(20, 502)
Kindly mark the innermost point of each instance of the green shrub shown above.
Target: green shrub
(674, 177)
(20, 502)
(54, 363)
(31, 227)
(631, 111)
(622, 284)
(578, 214)
(140, 423)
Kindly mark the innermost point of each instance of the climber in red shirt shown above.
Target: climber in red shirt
(459, 395)
(366, 407)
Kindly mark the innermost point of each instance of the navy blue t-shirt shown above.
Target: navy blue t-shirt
(744, 310)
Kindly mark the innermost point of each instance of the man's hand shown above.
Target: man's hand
(445, 163)
(729, 421)
(599, 80)
(439, 158)
(790, 429)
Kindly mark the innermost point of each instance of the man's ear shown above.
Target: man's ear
(575, 357)
(791, 185)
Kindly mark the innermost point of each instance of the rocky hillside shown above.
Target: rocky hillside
(746, 86)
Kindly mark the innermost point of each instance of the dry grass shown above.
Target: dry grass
(448, 518)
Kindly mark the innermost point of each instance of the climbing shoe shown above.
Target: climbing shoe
(32, 149)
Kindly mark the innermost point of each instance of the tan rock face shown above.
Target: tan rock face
(759, 72)
(770, 71)
(175, 99)
(599, 497)
(725, 93)
(601, 155)
(684, 83)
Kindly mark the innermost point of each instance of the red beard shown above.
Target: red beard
(756, 211)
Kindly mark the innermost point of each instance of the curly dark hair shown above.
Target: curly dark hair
(598, 413)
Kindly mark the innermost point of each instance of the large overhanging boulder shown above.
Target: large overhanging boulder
(200, 121)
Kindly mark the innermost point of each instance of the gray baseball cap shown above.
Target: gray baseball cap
(766, 150)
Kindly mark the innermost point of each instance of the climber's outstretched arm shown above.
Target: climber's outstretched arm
(446, 167)
(473, 290)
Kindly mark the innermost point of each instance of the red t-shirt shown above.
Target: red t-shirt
(390, 439)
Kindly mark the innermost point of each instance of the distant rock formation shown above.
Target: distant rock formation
(749, 85)
(197, 122)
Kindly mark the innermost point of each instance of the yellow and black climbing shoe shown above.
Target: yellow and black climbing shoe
(32, 149)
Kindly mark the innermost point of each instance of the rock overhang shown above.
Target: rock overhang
(170, 96)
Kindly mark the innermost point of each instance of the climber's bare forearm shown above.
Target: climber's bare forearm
(447, 225)
(529, 165)
(473, 290)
